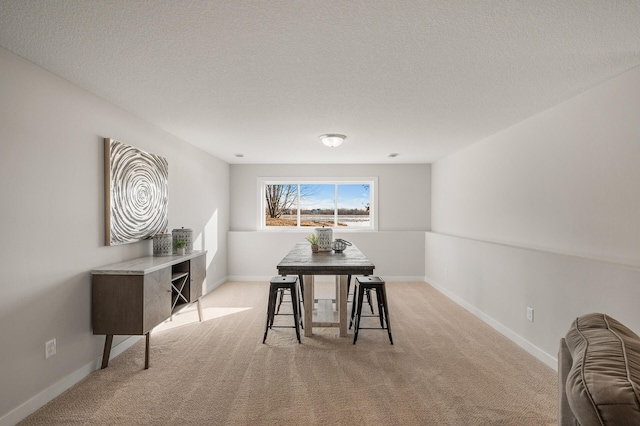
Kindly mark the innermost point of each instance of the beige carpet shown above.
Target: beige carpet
(446, 367)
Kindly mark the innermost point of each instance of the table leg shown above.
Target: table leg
(146, 351)
(308, 305)
(199, 309)
(342, 303)
(108, 340)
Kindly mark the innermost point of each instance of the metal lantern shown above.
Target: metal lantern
(339, 245)
(162, 245)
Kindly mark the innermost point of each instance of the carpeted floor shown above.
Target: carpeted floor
(446, 367)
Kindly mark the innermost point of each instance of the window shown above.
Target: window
(302, 203)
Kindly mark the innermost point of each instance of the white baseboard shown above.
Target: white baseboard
(500, 328)
(402, 279)
(32, 405)
(323, 278)
(265, 278)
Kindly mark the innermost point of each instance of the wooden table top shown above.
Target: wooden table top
(302, 261)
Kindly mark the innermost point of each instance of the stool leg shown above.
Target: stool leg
(369, 300)
(272, 304)
(270, 307)
(281, 294)
(359, 313)
(301, 287)
(386, 311)
(380, 308)
(354, 304)
(300, 309)
(295, 307)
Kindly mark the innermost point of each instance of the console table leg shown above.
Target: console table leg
(146, 351)
(108, 340)
(199, 310)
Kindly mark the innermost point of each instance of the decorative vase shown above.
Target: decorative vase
(181, 251)
(314, 248)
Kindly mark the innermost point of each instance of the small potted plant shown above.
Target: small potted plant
(313, 239)
(181, 247)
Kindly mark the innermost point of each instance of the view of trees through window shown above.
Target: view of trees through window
(318, 204)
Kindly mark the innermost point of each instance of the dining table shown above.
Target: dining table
(305, 263)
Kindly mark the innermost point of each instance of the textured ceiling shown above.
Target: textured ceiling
(266, 78)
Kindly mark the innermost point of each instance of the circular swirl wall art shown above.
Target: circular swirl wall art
(136, 193)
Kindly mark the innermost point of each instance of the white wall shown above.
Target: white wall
(545, 214)
(397, 249)
(52, 223)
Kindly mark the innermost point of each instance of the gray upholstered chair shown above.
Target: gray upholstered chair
(599, 373)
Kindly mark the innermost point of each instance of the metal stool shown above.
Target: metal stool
(278, 283)
(362, 285)
(283, 291)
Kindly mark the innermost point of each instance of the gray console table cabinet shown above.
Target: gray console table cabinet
(132, 297)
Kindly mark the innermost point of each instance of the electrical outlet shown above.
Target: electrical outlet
(49, 348)
(530, 314)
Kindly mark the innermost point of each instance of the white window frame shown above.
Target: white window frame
(264, 181)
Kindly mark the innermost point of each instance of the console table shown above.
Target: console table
(132, 297)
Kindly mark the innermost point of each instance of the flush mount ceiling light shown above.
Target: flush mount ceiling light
(332, 140)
